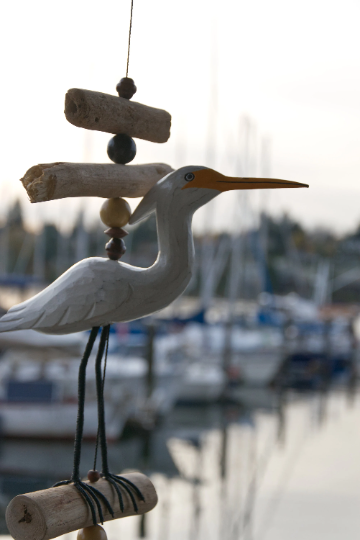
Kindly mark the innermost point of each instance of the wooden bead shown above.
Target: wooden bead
(115, 248)
(95, 532)
(121, 149)
(126, 88)
(116, 232)
(93, 476)
(115, 212)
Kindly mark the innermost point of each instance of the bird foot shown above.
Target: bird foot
(92, 496)
(129, 487)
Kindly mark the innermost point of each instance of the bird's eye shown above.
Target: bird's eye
(189, 176)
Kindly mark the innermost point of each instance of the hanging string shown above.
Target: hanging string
(103, 384)
(130, 27)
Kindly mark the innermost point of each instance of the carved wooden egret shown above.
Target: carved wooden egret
(97, 292)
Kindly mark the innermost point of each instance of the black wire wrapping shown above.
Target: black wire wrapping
(103, 384)
(81, 403)
(112, 478)
(92, 496)
(100, 398)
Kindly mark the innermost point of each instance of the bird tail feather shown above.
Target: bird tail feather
(11, 321)
(8, 326)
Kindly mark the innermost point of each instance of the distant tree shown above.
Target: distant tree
(15, 216)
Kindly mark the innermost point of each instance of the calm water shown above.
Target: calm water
(284, 467)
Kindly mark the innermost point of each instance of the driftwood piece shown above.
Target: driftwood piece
(50, 181)
(49, 513)
(112, 114)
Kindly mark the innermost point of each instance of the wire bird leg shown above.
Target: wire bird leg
(90, 494)
(116, 481)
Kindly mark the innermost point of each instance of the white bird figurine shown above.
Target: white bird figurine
(97, 292)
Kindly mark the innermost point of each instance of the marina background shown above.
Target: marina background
(241, 399)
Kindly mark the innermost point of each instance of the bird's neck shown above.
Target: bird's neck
(176, 246)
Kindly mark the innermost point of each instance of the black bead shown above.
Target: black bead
(126, 88)
(115, 248)
(121, 149)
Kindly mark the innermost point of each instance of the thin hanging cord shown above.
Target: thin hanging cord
(103, 384)
(128, 56)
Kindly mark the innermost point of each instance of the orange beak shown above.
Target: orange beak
(210, 179)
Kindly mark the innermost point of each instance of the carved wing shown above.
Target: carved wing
(82, 297)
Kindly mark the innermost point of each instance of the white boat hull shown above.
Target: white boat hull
(57, 420)
(258, 368)
(203, 383)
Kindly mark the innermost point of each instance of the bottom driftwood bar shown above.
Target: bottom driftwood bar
(49, 513)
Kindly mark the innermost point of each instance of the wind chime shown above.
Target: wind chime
(74, 503)
(97, 292)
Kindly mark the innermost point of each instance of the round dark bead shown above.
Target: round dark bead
(93, 476)
(126, 88)
(121, 149)
(115, 248)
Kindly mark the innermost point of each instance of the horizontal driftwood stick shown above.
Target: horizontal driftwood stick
(112, 114)
(50, 181)
(49, 513)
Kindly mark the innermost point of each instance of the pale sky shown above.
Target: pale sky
(292, 68)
